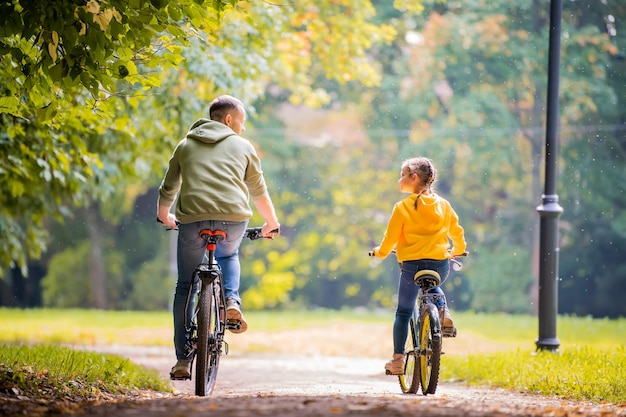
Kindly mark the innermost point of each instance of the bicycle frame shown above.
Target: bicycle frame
(208, 322)
(423, 347)
(424, 342)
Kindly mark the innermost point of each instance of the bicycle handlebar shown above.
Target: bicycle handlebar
(252, 233)
(371, 253)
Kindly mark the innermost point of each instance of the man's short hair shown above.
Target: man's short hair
(223, 105)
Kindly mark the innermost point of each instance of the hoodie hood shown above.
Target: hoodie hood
(429, 215)
(424, 232)
(209, 131)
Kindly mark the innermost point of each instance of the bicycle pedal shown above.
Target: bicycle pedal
(233, 324)
(180, 378)
(448, 331)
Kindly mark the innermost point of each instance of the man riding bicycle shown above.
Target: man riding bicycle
(212, 174)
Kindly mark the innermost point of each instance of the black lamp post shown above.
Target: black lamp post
(550, 210)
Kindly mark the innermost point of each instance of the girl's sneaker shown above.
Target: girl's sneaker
(446, 318)
(396, 365)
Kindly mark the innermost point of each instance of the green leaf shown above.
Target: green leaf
(58, 71)
(174, 11)
(9, 105)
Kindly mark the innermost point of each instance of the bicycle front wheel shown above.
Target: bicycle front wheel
(209, 349)
(430, 349)
(410, 379)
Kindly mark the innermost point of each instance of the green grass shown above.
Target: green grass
(590, 364)
(96, 327)
(581, 373)
(34, 363)
(84, 327)
(571, 331)
(58, 373)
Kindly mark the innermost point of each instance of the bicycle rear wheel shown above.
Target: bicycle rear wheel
(410, 379)
(430, 349)
(209, 339)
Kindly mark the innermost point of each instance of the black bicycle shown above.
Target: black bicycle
(423, 349)
(208, 324)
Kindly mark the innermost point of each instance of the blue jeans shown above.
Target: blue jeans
(407, 296)
(190, 251)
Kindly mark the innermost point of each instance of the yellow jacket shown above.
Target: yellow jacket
(423, 233)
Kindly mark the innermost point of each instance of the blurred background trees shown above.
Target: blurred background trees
(338, 93)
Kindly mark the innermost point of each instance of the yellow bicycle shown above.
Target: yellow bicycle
(424, 342)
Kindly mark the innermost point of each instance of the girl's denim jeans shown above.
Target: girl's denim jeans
(190, 252)
(407, 296)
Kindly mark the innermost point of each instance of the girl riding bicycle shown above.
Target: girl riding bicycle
(420, 229)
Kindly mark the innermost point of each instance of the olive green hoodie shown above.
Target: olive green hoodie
(423, 231)
(214, 172)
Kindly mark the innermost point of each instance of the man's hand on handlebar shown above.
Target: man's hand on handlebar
(271, 232)
(170, 221)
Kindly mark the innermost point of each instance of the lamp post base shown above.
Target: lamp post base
(550, 344)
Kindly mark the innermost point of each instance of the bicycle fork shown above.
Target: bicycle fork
(431, 310)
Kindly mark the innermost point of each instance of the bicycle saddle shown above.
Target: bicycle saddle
(216, 234)
(211, 237)
(427, 278)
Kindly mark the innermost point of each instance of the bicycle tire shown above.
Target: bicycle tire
(202, 350)
(430, 349)
(216, 338)
(410, 379)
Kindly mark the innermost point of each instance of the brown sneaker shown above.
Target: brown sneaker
(446, 318)
(234, 314)
(182, 369)
(396, 365)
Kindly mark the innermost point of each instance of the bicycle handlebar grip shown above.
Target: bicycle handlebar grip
(255, 233)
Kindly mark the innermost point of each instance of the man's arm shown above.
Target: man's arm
(165, 217)
(265, 207)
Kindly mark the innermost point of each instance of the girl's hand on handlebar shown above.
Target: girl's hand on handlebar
(373, 251)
